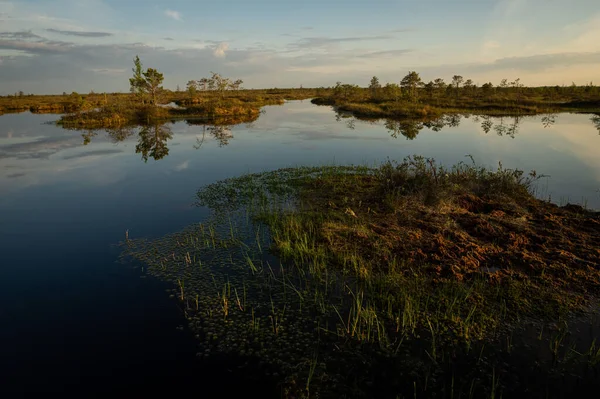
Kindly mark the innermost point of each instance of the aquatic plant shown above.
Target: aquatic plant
(396, 280)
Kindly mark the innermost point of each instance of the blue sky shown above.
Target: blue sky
(51, 46)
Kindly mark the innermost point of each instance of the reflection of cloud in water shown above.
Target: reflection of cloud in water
(41, 148)
(572, 139)
(576, 138)
(323, 135)
(309, 109)
(182, 166)
(93, 153)
(310, 147)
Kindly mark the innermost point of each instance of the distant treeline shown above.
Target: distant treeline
(221, 96)
(412, 97)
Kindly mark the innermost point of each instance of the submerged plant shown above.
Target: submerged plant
(429, 264)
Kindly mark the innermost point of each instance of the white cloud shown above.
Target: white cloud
(220, 50)
(584, 36)
(176, 15)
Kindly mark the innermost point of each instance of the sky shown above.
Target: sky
(55, 46)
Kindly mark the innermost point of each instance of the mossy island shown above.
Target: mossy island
(409, 279)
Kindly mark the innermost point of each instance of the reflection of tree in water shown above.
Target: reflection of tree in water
(510, 128)
(152, 141)
(452, 120)
(548, 120)
(408, 128)
(87, 136)
(596, 122)
(350, 122)
(221, 133)
(116, 134)
(438, 124)
(120, 134)
(339, 115)
(486, 124)
(501, 127)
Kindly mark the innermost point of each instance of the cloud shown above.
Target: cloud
(545, 61)
(168, 38)
(387, 53)
(539, 69)
(42, 46)
(491, 44)
(109, 71)
(320, 42)
(402, 30)
(539, 62)
(176, 15)
(74, 65)
(19, 35)
(88, 51)
(220, 49)
(80, 33)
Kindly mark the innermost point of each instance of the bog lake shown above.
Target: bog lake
(72, 317)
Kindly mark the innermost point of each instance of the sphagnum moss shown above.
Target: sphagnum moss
(373, 278)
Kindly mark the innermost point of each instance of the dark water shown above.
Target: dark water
(73, 321)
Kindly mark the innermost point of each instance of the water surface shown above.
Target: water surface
(71, 316)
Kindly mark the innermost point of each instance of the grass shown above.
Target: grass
(118, 110)
(526, 101)
(410, 279)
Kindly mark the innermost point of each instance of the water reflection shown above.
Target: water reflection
(596, 122)
(407, 128)
(548, 120)
(410, 128)
(502, 126)
(152, 141)
(34, 151)
(220, 133)
(153, 138)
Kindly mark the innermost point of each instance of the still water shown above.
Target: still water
(72, 318)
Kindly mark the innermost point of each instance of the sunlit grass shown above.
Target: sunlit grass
(333, 261)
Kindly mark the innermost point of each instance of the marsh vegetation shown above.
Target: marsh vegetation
(406, 280)
(413, 98)
(217, 96)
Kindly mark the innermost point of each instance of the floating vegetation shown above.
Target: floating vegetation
(408, 280)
